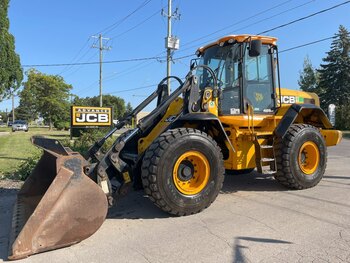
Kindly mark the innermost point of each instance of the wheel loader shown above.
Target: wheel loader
(229, 115)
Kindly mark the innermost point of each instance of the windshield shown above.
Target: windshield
(19, 122)
(224, 61)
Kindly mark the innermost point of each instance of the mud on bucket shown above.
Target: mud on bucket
(58, 204)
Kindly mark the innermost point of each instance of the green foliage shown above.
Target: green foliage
(86, 140)
(47, 96)
(128, 109)
(308, 80)
(335, 72)
(331, 81)
(26, 167)
(11, 73)
(3, 117)
(117, 103)
(342, 117)
(62, 125)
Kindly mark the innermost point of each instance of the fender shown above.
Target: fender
(311, 114)
(201, 119)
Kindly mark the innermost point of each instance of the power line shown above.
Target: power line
(120, 21)
(191, 55)
(76, 56)
(282, 51)
(137, 25)
(92, 63)
(145, 64)
(157, 56)
(125, 90)
(79, 67)
(303, 18)
(131, 60)
(238, 22)
(306, 44)
(251, 24)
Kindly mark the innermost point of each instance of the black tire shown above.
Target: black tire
(238, 172)
(287, 152)
(158, 167)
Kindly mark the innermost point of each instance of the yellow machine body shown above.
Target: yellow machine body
(239, 128)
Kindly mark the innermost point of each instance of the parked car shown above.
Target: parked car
(20, 126)
(2, 124)
(9, 124)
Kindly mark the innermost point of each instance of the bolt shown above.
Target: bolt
(114, 157)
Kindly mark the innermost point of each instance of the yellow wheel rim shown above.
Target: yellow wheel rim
(309, 157)
(191, 173)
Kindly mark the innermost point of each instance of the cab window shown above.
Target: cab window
(258, 81)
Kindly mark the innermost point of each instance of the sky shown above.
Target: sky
(54, 32)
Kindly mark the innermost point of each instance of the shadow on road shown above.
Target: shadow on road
(336, 177)
(7, 200)
(253, 181)
(238, 255)
(136, 205)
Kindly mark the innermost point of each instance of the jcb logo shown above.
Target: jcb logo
(288, 99)
(91, 116)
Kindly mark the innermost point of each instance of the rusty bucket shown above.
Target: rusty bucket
(58, 204)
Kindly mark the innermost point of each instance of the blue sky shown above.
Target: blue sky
(48, 32)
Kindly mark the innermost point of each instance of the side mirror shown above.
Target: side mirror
(255, 48)
(193, 63)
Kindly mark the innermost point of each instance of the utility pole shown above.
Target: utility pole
(171, 43)
(13, 108)
(101, 47)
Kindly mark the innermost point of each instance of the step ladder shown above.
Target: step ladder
(264, 154)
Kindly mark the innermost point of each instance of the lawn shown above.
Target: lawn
(15, 148)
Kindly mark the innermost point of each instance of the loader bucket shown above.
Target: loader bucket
(58, 204)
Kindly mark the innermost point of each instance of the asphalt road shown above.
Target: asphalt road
(254, 219)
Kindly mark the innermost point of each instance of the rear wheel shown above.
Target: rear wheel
(301, 157)
(183, 171)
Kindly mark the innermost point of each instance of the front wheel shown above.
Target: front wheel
(301, 157)
(183, 171)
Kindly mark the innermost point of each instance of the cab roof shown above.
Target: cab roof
(240, 38)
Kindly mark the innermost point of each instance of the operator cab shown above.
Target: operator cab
(245, 72)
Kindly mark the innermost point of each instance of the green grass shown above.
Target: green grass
(16, 148)
(5, 129)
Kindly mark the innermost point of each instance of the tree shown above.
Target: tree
(308, 80)
(47, 96)
(3, 117)
(335, 72)
(117, 103)
(128, 109)
(11, 73)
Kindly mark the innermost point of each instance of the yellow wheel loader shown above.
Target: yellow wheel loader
(229, 115)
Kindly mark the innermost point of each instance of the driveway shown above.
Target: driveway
(254, 219)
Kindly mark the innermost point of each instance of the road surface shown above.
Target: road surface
(254, 219)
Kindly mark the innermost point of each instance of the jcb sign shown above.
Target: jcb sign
(91, 116)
